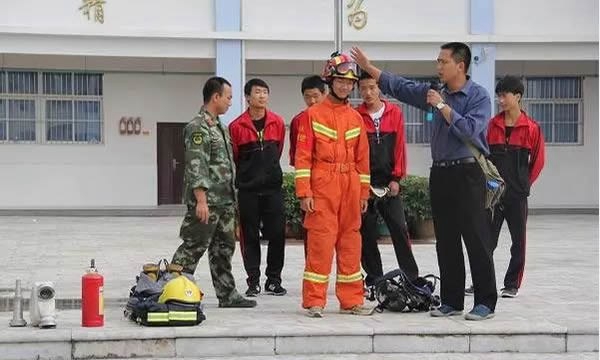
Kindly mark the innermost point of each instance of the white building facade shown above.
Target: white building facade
(91, 109)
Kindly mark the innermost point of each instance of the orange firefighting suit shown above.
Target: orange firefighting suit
(332, 167)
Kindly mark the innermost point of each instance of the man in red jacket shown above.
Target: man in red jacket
(257, 137)
(313, 92)
(517, 149)
(387, 148)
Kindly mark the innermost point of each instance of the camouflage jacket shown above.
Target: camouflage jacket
(208, 161)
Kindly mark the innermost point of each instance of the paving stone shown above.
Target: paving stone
(582, 343)
(131, 348)
(322, 344)
(205, 346)
(534, 343)
(59, 350)
(421, 343)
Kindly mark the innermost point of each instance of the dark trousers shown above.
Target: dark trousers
(392, 212)
(514, 211)
(457, 203)
(265, 208)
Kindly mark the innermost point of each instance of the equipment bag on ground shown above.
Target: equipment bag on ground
(166, 297)
(395, 292)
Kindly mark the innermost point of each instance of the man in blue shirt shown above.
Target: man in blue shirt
(462, 110)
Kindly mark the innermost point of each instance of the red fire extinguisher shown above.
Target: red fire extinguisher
(92, 297)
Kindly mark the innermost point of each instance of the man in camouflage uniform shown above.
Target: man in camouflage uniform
(209, 194)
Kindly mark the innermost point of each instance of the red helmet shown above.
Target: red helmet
(341, 66)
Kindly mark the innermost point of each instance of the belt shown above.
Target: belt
(448, 163)
(334, 167)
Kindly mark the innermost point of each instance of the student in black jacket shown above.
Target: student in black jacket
(387, 148)
(258, 135)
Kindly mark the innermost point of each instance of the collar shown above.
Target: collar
(211, 119)
(523, 120)
(466, 89)
(246, 120)
(362, 108)
(327, 102)
(299, 114)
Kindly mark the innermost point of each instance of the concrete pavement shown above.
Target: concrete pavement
(556, 311)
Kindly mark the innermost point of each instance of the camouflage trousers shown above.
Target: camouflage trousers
(218, 237)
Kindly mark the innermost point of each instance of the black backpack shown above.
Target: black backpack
(395, 292)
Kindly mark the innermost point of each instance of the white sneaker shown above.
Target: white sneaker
(315, 312)
(359, 310)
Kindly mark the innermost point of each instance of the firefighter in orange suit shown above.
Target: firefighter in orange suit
(332, 182)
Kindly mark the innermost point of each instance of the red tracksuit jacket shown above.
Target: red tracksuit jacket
(256, 154)
(519, 157)
(388, 148)
(294, 135)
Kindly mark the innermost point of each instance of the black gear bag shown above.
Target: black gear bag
(395, 292)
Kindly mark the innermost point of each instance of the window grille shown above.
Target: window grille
(50, 107)
(556, 103)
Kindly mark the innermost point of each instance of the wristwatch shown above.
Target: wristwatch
(440, 105)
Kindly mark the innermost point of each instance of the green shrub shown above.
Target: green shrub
(293, 215)
(414, 192)
(415, 195)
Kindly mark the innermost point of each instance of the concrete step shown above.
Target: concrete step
(420, 356)
(279, 331)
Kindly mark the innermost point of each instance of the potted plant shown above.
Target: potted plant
(293, 215)
(417, 205)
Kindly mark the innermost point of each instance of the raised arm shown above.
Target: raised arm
(402, 89)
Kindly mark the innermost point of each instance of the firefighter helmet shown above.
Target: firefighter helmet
(341, 66)
(180, 289)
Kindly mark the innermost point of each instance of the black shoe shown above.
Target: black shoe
(272, 288)
(509, 292)
(253, 290)
(469, 291)
(237, 302)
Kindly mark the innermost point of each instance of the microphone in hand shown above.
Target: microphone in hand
(433, 85)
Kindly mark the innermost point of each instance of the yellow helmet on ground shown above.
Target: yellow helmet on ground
(181, 289)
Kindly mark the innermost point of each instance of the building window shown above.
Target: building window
(18, 106)
(21, 120)
(556, 103)
(66, 108)
(3, 133)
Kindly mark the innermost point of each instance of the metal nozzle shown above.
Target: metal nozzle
(17, 320)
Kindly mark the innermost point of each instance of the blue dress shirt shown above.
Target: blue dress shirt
(471, 112)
